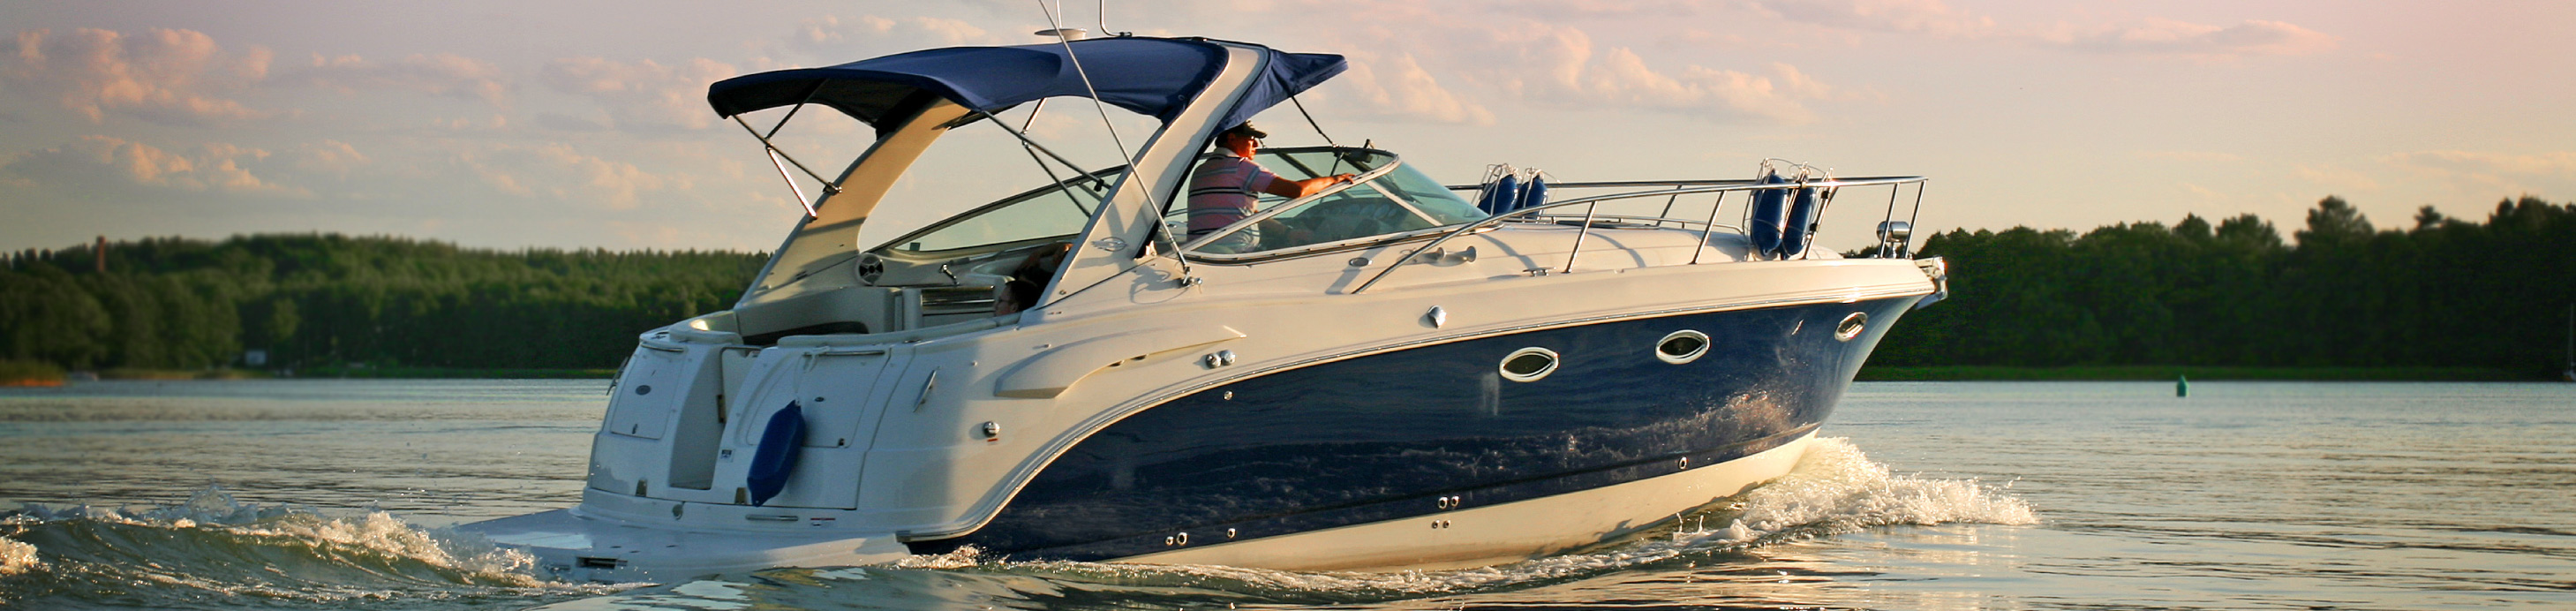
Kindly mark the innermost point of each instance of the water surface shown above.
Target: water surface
(336, 494)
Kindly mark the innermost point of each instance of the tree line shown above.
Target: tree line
(2444, 292)
(330, 300)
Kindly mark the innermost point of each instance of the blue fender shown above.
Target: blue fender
(1534, 195)
(1802, 220)
(1769, 205)
(776, 457)
(1500, 197)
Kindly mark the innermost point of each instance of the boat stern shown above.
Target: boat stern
(569, 546)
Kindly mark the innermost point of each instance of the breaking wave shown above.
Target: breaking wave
(214, 547)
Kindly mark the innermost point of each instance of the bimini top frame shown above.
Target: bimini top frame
(1156, 77)
(1194, 87)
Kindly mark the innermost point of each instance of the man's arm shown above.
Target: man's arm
(1293, 189)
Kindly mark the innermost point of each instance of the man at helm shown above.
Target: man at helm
(1225, 190)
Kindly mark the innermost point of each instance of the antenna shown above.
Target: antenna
(1100, 17)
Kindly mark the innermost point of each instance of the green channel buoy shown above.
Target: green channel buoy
(2182, 386)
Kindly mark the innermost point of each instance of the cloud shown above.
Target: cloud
(329, 157)
(2169, 37)
(107, 162)
(1404, 89)
(163, 76)
(441, 74)
(644, 93)
(560, 172)
(1419, 61)
(1561, 64)
(2152, 36)
(2192, 156)
(2336, 178)
(1906, 16)
(564, 122)
(2551, 172)
(833, 37)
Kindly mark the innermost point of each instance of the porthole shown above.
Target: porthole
(1851, 326)
(1682, 347)
(1529, 364)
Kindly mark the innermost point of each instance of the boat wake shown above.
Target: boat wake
(216, 548)
(1834, 489)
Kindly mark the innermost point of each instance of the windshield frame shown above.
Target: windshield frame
(1103, 176)
(1370, 179)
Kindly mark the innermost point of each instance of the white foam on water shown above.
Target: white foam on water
(1837, 489)
(383, 534)
(1834, 488)
(17, 557)
(376, 534)
(962, 557)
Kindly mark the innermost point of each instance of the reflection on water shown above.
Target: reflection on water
(437, 451)
(330, 494)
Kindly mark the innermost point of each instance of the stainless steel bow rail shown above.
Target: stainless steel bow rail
(1892, 243)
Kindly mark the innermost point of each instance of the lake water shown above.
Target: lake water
(313, 494)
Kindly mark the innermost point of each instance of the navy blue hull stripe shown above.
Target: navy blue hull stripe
(1421, 505)
(1374, 437)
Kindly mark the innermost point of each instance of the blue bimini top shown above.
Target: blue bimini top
(1152, 76)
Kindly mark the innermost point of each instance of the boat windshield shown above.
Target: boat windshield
(1398, 200)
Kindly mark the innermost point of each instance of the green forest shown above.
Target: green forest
(2339, 291)
(336, 301)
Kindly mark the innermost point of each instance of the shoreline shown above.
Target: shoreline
(1937, 373)
(2168, 373)
(456, 373)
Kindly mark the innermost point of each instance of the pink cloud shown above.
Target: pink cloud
(1562, 64)
(2147, 37)
(563, 173)
(441, 74)
(2169, 37)
(106, 161)
(833, 35)
(642, 93)
(164, 76)
(1910, 16)
(2490, 172)
(1398, 86)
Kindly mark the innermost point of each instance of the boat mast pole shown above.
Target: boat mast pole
(1096, 105)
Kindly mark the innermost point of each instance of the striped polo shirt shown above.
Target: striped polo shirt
(1224, 190)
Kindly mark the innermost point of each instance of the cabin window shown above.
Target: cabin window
(1682, 347)
(1053, 211)
(1529, 364)
(1851, 326)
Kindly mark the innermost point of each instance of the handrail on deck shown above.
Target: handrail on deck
(1679, 188)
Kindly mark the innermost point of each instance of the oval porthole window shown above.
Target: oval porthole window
(1682, 347)
(1529, 364)
(1851, 326)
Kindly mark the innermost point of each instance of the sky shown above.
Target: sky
(583, 124)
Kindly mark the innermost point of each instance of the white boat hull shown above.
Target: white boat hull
(575, 547)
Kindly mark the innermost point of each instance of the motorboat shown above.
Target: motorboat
(1401, 374)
